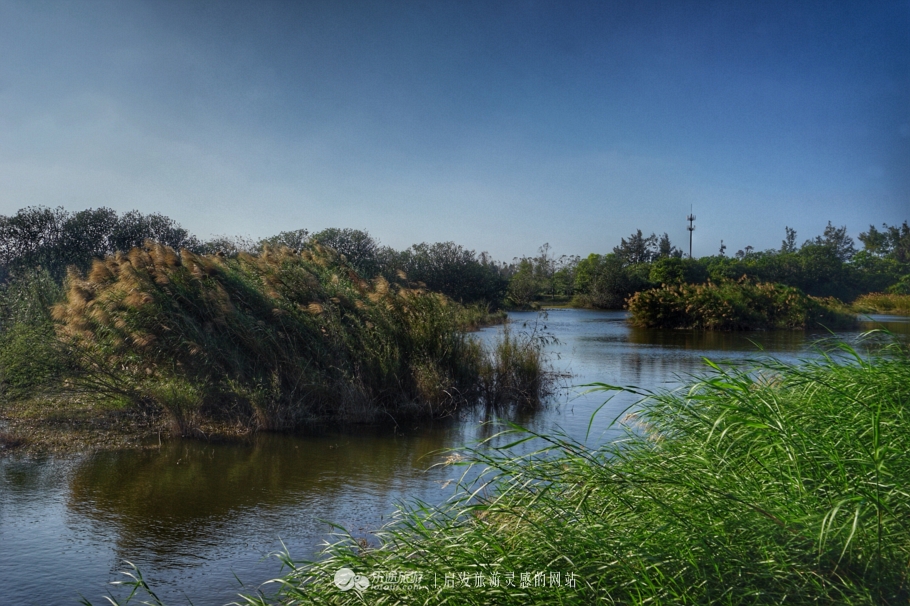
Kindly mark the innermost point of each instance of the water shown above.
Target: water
(198, 516)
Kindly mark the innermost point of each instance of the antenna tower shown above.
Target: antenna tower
(691, 228)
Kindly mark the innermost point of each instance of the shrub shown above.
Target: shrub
(30, 355)
(740, 305)
(281, 338)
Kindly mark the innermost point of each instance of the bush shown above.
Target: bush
(740, 305)
(30, 355)
(282, 338)
(605, 282)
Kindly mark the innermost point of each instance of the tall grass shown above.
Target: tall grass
(777, 483)
(739, 305)
(278, 339)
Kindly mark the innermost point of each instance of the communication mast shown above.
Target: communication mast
(691, 228)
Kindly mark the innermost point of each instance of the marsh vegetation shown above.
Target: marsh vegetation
(774, 483)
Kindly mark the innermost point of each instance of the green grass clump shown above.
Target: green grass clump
(778, 483)
(475, 316)
(735, 305)
(280, 338)
(883, 303)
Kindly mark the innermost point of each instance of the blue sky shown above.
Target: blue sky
(499, 125)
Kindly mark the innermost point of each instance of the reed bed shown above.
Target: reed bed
(883, 303)
(777, 483)
(735, 305)
(277, 339)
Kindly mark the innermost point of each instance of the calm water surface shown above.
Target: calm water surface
(197, 516)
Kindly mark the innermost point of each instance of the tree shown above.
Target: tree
(612, 284)
(358, 247)
(453, 270)
(893, 242)
(638, 249)
(789, 243)
(665, 250)
(54, 238)
(295, 239)
(899, 242)
(523, 287)
(837, 241)
(676, 270)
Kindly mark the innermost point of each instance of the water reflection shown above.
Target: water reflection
(185, 493)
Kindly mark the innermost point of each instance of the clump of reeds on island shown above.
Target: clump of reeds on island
(736, 305)
(277, 339)
(775, 483)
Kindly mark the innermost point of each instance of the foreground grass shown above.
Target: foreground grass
(883, 303)
(782, 483)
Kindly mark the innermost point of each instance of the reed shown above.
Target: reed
(775, 483)
(277, 339)
(735, 305)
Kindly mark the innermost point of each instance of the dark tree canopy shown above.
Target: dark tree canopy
(638, 248)
(455, 271)
(55, 238)
(358, 247)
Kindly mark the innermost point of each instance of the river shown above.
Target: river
(200, 518)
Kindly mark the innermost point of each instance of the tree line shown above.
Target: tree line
(55, 239)
(828, 265)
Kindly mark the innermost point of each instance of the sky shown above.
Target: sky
(497, 125)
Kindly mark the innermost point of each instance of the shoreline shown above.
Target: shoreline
(70, 425)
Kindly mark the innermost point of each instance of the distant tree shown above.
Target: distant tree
(133, 229)
(745, 253)
(453, 270)
(789, 243)
(230, 246)
(563, 281)
(875, 242)
(899, 242)
(638, 249)
(585, 271)
(358, 247)
(836, 240)
(54, 238)
(523, 286)
(676, 270)
(613, 284)
(893, 242)
(666, 250)
(295, 239)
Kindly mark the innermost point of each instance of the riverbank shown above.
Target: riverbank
(63, 425)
